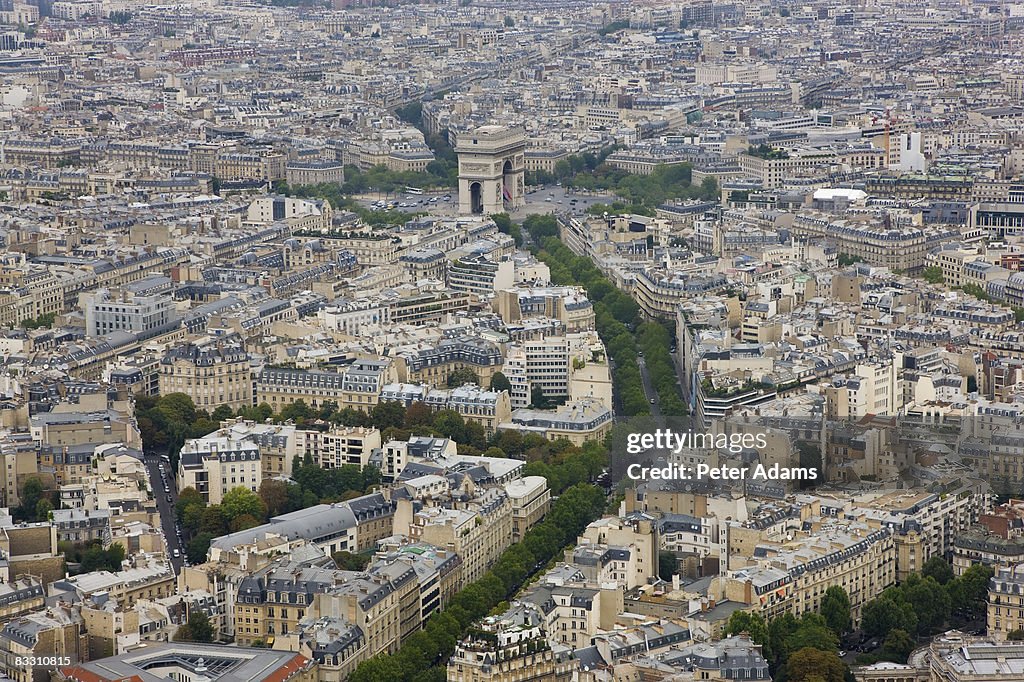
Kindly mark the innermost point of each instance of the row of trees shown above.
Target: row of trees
(90, 556)
(356, 182)
(618, 317)
(800, 650)
(166, 422)
(641, 192)
(240, 508)
(797, 649)
(924, 604)
(44, 321)
(571, 166)
(424, 653)
(655, 339)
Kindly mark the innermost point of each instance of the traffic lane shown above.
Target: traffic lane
(652, 395)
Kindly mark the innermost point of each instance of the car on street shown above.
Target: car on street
(177, 554)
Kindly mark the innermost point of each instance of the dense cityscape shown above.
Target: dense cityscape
(490, 341)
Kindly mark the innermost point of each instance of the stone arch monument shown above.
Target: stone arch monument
(492, 169)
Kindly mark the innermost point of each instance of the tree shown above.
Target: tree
(296, 411)
(274, 494)
(243, 522)
(417, 414)
(883, 614)
(898, 645)
(509, 22)
(938, 569)
(197, 629)
(198, 547)
(212, 521)
(461, 376)
(779, 630)
(835, 607)
(43, 509)
(666, 565)
(1015, 635)
(189, 497)
(813, 632)
(347, 561)
(240, 501)
(500, 382)
(933, 275)
(969, 591)
(811, 665)
(537, 397)
(930, 602)
(31, 495)
(388, 414)
(222, 413)
(754, 625)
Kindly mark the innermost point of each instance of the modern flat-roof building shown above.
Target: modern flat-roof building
(160, 661)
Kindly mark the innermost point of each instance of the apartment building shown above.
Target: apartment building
(568, 305)
(339, 445)
(56, 632)
(212, 374)
(478, 533)
(578, 422)
(432, 364)
(298, 173)
(474, 404)
(192, 660)
(794, 577)
(531, 499)
(273, 600)
(877, 241)
(217, 463)
(978, 546)
(1005, 611)
(774, 171)
(480, 276)
(352, 526)
(511, 646)
(560, 367)
(357, 386)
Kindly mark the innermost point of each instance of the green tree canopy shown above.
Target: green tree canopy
(240, 501)
(500, 382)
(938, 569)
(811, 664)
(835, 607)
(462, 376)
(197, 629)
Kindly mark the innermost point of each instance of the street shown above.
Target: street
(167, 518)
